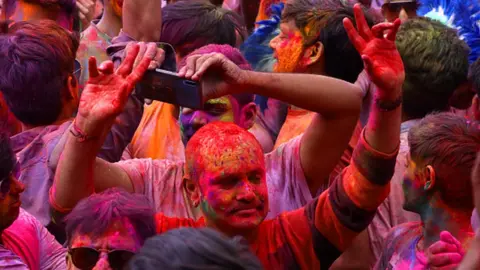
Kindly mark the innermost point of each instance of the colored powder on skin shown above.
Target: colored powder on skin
(208, 210)
(289, 53)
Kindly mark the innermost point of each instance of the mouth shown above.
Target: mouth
(246, 211)
(16, 204)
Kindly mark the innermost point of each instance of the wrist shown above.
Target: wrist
(86, 127)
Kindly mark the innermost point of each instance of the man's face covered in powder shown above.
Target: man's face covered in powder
(224, 109)
(413, 187)
(288, 48)
(231, 181)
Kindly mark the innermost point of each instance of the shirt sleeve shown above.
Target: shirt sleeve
(343, 211)
(159, 180)
(287, 186)
(52, 254)
(10, 261)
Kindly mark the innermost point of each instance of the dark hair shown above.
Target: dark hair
(436, 63)
(233, 55)
(94, 215)
(322, 21)
(200, 23)
(449, 143)
(474, 75)
(67, 6)
(37, 57)
(7, 157)
(192, 248)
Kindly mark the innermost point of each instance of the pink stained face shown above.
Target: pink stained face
(232, 182)
(288, 48)
(120, 235)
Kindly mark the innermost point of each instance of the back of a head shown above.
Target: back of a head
(232, 54)
(36, 59)
(95, 214)
(449, 143)
(191, 248)
(436, 63)
(322, 21)
(200, 23)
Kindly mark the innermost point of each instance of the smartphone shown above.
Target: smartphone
(168, 87)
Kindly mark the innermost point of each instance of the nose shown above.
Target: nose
(274, 42)
(246, 192)
(102, 263)
(16, 187)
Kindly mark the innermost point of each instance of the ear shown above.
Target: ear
(192, 191)
(72, 87)
(313, 54)
(248, 115)
(429, 172)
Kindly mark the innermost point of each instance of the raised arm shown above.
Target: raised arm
(338, 102)
(350, 204)
(79, 172)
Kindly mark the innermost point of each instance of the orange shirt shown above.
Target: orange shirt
(158, 134)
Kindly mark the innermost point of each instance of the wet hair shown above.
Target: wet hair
(474, 76)
(192, 248)
(95, 214)
(215, 140)
(449, 143)
(200, 23)
(36, 60)
(7, 157)
(436, 63)
(233, 55)
(322, 21)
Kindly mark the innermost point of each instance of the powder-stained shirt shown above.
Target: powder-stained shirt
(93, 42)
(313, 236)
(10, 260)
(401, 249)
(162, 182)
(34, 149)
(28, 239)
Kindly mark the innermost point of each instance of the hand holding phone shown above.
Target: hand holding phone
(168, 87)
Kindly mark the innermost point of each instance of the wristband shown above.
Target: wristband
(79, 134)
(387, 106)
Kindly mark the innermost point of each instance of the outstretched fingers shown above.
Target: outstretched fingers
(362, 25)
(357, 41)
(139, 71)
(380, 29)
(393, 33)
(127, 65)
(92, 67)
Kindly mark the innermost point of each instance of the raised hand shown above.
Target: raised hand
(107, 91)
(86, 11)
(377, 48)
(445, 254)
(218, 75)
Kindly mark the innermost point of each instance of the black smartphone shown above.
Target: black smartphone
(168, 87)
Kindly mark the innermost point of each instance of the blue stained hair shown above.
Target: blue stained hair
(463, 15)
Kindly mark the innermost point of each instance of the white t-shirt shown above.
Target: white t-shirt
(161, 181)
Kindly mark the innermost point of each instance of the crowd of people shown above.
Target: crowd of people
(334, 134)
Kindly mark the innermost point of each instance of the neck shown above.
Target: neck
(438, 217)
(109, 24)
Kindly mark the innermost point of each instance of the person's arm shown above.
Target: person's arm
(343, 211)
(79, 172)
(337, 103)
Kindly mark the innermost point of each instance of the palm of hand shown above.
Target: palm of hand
(104, 96)
(386, 70)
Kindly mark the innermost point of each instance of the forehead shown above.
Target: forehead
(120, 235)
(289, 26)
(239, 158)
